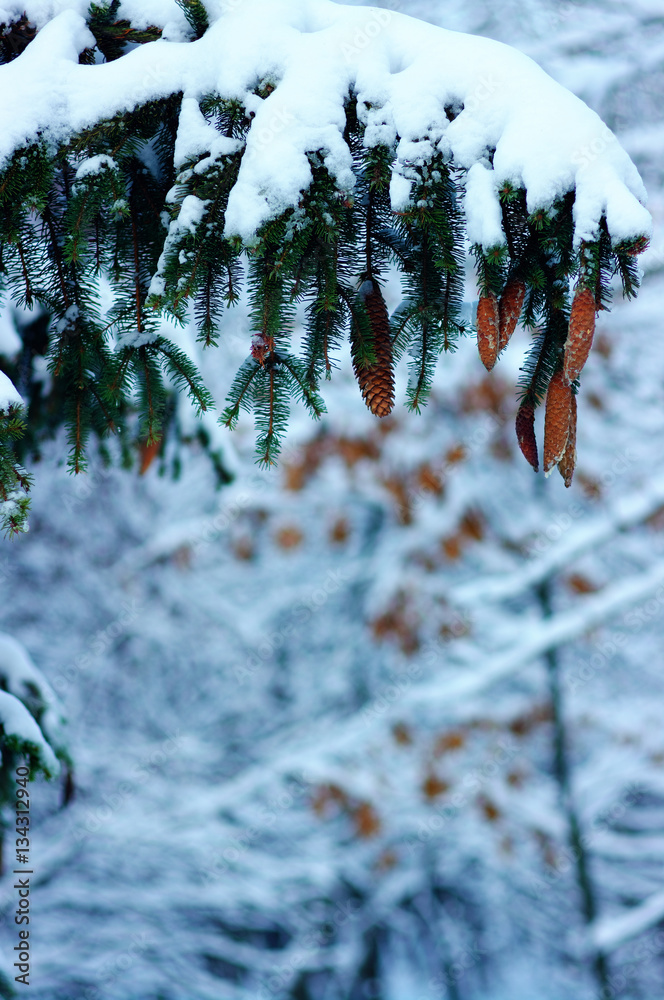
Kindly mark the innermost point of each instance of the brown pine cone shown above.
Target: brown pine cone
(556, 420)
(488, 330)
(377, 380)
(148, 451)
(581, 333)
(568, 461)
(525, 433)
(261, 345)
(509, 310)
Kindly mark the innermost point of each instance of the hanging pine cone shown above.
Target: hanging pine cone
(488, 330)
(148, 452)
(525, 433)
(568, 461)
(261, 345)
(377, 380)
(556, 420)
(581, 333)
(509, 310)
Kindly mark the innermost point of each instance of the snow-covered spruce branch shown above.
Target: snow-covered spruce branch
(21, 678)
(14, 480)
(31, 717)
(21, 734)
(312, 146)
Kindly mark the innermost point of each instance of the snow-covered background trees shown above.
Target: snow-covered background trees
(385, 721)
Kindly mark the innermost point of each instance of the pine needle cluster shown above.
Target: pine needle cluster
(112, 203)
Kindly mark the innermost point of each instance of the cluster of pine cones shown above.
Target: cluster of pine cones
(496, 322)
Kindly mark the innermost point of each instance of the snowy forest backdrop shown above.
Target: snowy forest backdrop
(385, 722)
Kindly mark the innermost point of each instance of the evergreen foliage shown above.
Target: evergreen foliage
(14, 480)
(196, 14)
(15, 37)
(112, 201)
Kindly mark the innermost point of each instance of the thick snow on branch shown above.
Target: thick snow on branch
(21, 729)
(21, 678)
(490, 109)
(9, 395)
(165, 14)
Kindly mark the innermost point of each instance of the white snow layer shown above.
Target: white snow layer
(511, 117)
(17, 721)
(10, 342)
(94, 165)
(142, 13)
(9, 395)
(21, 678)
